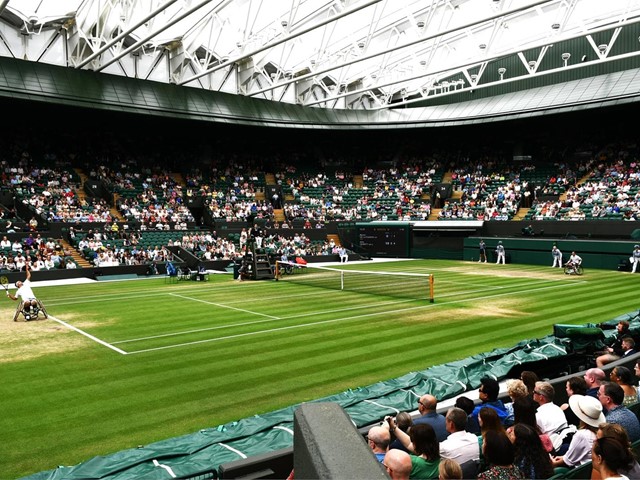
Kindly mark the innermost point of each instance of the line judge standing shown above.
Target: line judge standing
(501, 253)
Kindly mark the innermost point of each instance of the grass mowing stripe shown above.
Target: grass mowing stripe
(132, 407)
(90, 337)
(224, 306)
(275, 329)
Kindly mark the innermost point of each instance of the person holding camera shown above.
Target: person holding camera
(423, 446)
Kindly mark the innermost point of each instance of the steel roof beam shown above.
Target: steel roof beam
(485, 60)
(142, 41)
(3, 5)
(409, 44)
(108, 45)
(514, 79)
(284, 39)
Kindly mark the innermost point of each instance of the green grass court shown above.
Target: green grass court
(121, 364)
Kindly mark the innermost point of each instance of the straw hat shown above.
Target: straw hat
(588, 409)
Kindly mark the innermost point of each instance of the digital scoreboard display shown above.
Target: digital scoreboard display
(383, 241)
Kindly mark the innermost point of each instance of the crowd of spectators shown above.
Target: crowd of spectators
(120, 247)
(529, 437)
(107, 249)
(38, 252)
(603, 184)
(230, 192)
(385, 193)
(609, 191)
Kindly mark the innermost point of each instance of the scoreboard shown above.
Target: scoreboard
(384, 240)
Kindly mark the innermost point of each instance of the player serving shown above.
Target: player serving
(25, 292)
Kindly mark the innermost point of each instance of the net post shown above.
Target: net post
(277, 271)
(431, 299)
(341, 280)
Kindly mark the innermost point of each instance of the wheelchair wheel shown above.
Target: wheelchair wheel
(42, 310)
(17, 315)
(568, 270)
(579, 270)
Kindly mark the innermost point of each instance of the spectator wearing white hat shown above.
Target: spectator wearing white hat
(589, 411)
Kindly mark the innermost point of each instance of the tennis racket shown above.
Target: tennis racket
(4, 281)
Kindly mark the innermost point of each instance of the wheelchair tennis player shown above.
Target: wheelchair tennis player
(29, 306)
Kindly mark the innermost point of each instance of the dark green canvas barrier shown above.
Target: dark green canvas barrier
(204, 451)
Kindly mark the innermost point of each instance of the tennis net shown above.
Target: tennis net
(417, 286)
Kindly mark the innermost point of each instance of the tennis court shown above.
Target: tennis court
(206, 313)
(122, 364)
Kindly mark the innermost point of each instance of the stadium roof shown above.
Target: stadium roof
(354, 54)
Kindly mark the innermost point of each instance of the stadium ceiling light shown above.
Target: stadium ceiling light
(482, 46)
(602, 47)
(565, 58)
(501, 72)
(555, 26)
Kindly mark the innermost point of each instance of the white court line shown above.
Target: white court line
(302, 315)
(224, 306)
(145, 293)
(120, 296)
(231, 325)
(440, 282)
(323, 322)
(88, 335)
(218, 287)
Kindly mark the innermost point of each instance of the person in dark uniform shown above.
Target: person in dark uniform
(483, 252)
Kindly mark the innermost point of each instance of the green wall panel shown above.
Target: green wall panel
(596, 254)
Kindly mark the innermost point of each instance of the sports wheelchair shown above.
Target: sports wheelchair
(573, 269)
(32, 314)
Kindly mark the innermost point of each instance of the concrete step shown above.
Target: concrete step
(335, 238)
(77, 256)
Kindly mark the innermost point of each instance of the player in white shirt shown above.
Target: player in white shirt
(25, 293)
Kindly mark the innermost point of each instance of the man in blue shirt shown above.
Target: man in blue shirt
(378, 439)
(427, 407)
(611, 397)
(488, 393)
